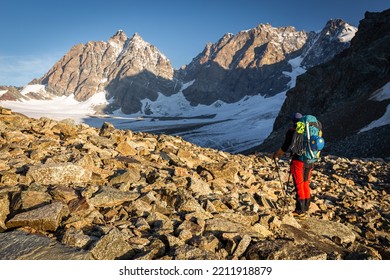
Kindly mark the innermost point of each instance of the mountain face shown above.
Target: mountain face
(123, 66)
(347, 94)
(323, 46)
(256, 61)
(242, 65)
(10, 93)
(250, 63)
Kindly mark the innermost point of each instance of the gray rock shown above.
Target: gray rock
(283, 250)
(59, 174)
(109, 197)
(112, 246)
(195, 229)
(321, 243)
(131, 175)
(4, 211)
(155, 250)
(76, 238)
(207, 242)
(337, 232)
(45, 218)
(63, 193)
(187, 252)
(199, 187)
(18, 245)
(242, 246)
(30, 199)
(219, 226)
(160, 223)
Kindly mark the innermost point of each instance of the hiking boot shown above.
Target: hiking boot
(299, 215)
(300, 206)
(307, 204)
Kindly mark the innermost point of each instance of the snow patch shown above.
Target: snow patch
(58, 108)
(347, 33)
(34, 88)
(384, 120)
(297, 70)
(381, 94)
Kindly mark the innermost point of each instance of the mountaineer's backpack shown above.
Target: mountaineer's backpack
(307, 141)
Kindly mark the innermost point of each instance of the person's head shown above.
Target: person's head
(296, 117)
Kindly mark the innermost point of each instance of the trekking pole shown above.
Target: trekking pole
(289, 176)
(281, 185)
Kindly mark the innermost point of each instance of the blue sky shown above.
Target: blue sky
(37, 33)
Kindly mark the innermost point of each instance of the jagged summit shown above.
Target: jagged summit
(119, 35)
(117, 41)
(94, 67)
(138, 42)
(324, 45)
(136, 36)
(255, 62)
(338, 29)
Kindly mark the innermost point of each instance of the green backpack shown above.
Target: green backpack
(307, 140)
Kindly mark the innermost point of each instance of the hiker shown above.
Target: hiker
(300, 170)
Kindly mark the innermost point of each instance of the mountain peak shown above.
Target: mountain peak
(120, 36)
(264, 25)
(334, 23)
(338, 29)
(137, 37)
(138, 42)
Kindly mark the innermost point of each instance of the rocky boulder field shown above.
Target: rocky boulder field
(72, 191)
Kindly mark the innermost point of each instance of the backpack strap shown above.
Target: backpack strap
(308, 140)
(316, 124)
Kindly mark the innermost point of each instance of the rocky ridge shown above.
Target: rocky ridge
(250, 63)
(75, 192)
(323, 46)
(10, 93)
(256, 61)
(124, 67)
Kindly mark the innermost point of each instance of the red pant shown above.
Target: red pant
(301, 174)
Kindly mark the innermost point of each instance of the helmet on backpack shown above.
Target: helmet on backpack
(296, 117)
(317, 143)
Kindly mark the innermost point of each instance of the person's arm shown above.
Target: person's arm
(286, 144)
(278, 154)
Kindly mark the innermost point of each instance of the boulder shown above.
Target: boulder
(4, 211)
(45, 218)
(218, 226)
(18, 245)
(59, 174)
(111, 246)
(283, 250)
(188, 252)
(109, 197)
(336, 232)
